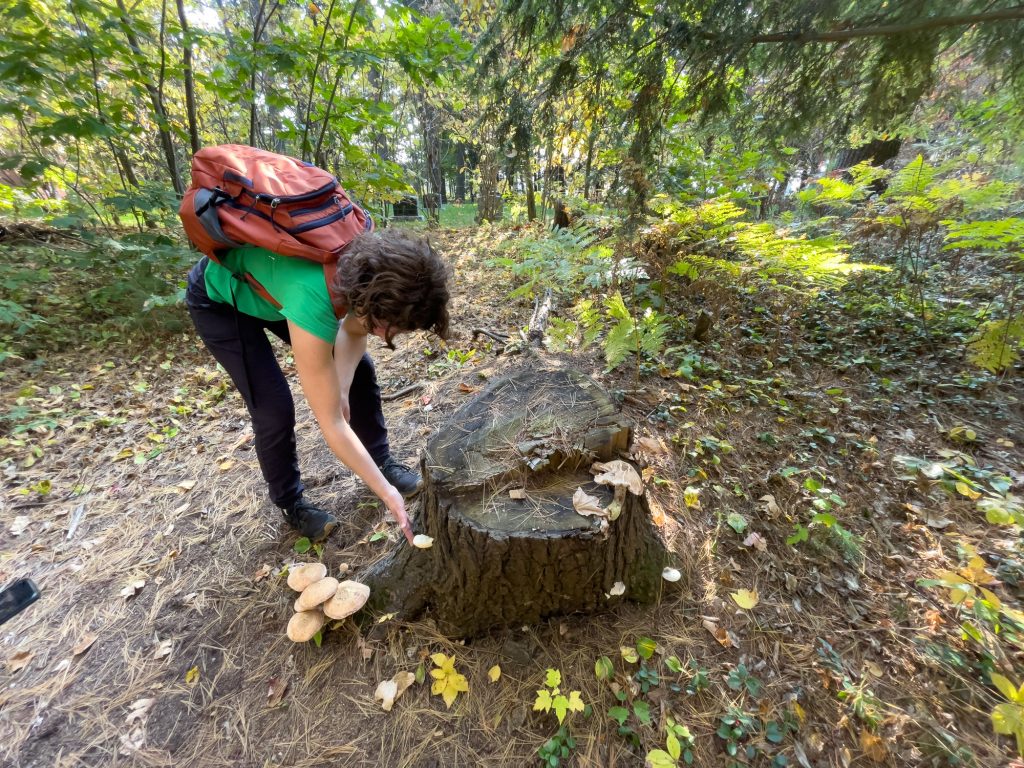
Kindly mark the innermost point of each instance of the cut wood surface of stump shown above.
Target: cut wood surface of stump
(507, 559)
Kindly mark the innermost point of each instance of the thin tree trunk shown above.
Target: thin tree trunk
(166, 142)
(312, 83)
(190, 89)
(460, 173)
(432, 157)
(531, 193)
(318, 157)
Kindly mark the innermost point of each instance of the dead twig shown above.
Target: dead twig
(401, 393)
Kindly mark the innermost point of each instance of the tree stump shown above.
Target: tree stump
(504, 561)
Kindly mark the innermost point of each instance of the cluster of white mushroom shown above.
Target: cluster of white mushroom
(322, 597)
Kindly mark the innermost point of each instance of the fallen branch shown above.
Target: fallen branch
(501, 338)
(401, 393)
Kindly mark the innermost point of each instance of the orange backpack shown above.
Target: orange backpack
(246, 196)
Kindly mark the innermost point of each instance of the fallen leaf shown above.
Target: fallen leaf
(745, 598)
(464, 387)
(873, 668)
(936, 522)
(264, 571)
(720, 634)
(133, 589)
(20, 523)
(84, 644)
(756, 540)
(651, 445)
(364, 650)
(138, 713)
(187, 485)
(586, 505)
(277, 686)
(517, 493)
(19, 661)
(873, 747)
(163, 649)
(386, 617)
(494, 673)
(770, 505)
(224, 466)
(192, 676)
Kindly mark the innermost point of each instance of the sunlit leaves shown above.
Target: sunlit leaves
(447, 683)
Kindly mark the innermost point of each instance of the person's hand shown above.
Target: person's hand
(346, 410)
(396, 506)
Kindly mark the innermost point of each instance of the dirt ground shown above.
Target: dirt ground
(136, 505)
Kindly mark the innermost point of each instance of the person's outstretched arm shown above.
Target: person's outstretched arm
(318, 376)
(349, 347)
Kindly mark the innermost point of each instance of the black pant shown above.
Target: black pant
(239, 343)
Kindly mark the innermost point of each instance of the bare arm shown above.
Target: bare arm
(349, 346)
(319, 377)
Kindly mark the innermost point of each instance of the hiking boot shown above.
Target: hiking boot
(312, 522)
(404, 479)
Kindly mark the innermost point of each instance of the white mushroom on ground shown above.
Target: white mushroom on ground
(422, 541)
(671, 574)
(621, 475)
(316, 593)
(389, 690)
(349, 598)
(301, 576)
(304, 624)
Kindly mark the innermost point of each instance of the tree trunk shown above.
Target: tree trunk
(460, 174)
(429, 123)
(156, 100)
(501, 561)
(489, 202)
(190, 90)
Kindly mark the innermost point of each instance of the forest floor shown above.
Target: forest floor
(135, 502)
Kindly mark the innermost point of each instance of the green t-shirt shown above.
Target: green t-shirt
(297, 285)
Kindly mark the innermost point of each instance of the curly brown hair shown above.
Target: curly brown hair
(394, 280)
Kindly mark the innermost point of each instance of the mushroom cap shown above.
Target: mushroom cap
(349, 598)
(316, 593)
(422, 541)
(619, 473)
(301, 576)
(304, 624)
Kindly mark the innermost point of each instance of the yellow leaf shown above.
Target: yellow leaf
(745, 598)
(224, 466)
(494, 673)
(1005, 687)
(965, 490)
(192, 676)
(691, 497)
(801, 716)
(990, 596)
(873, 747)
(976, 571)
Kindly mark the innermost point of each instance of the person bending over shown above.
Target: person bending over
(392, 283)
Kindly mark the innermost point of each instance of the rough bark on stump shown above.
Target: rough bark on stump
(498, 561)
